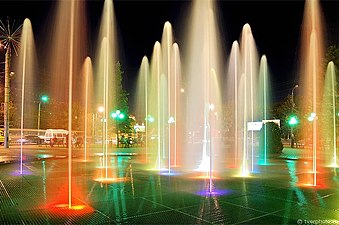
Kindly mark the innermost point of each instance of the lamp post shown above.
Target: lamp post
(292, 111)
(43, 99)
(117, 115)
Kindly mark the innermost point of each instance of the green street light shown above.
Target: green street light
(43, 99)
(117, 115)
(149, 118)
(293, 120)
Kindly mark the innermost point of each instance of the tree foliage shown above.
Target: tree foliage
(273, 138)
(122, 100)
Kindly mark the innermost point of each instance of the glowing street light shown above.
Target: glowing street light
(312, 117)
(292, 121)
(149, 118)
(43, 99)
(117, 115)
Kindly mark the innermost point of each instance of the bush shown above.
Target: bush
(274, 144)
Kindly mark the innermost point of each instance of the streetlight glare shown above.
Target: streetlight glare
(293, 120)
(44, 98)
(117, 115)
(149, 118)
(101, 109)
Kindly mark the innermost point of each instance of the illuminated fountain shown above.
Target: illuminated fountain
(66, 56)
(196, 109)
(312, 79)
(246, 101)
(264, 105)
(26, 68)
(158, 102)
(105, 89)
(142, 101)
(329, 115)
(87, 72)
(203, 69)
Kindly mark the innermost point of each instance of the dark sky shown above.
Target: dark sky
(275, 26)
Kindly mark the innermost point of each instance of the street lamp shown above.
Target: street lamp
(43, 99)
(292, 111)
(292, 96)
(117, 115)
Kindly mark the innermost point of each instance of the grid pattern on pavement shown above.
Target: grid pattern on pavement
(146, 197)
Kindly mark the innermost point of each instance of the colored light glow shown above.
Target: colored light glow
(44, 98)
(205, 176)
(312, 117)
(44, 156)
(293, 121)
(171, 120)
(101, 109)
(111, 180)
(149, 118)
(311, 185)
(334, 165)
(157, 169)
(74, 208)
(169, 173)
(20, 173)
(215, 192)
(246, 174)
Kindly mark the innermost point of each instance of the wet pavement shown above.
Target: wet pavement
(278, 193)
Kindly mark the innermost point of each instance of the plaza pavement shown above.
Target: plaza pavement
(37, 192)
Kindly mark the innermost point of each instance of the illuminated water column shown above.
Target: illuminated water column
(264, 103)
(203, 56)
(66, 55)
(167, 52)
(178, 104)
(26, 71)
(141, 104)
(329, 115)
(87, 72)
(155, 109)
(105, 71)
(231, 101)
(311, 70)
(248, 99)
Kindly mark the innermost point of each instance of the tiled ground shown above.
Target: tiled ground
(274, 195)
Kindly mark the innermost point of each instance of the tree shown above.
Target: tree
(273, 138)
(122, 100)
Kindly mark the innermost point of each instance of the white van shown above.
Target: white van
(58, 136)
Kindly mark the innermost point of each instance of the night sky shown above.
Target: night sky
(276, 26)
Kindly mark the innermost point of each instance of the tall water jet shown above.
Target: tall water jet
(105, 69)
(203, 64)
(231, 106)
(143, 86)
(312, 77)
(154, 102)
(162, 100)
(167, 92)
(26, 68)
(264, 106)
(248, 111)
(329, 115)
(87, 72)
(177, 105)
(66, 57)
